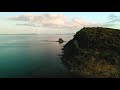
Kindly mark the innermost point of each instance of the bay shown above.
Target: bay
(32, 56)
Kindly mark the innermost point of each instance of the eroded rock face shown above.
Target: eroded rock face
(100, 44)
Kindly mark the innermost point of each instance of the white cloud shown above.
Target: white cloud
(53, 21)
(113, 18)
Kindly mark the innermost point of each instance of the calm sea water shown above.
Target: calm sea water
(32, 56)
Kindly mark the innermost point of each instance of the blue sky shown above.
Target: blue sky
(61, 22)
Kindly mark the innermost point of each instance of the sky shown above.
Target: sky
(55, 22)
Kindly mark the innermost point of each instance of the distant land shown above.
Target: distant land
(41, 34)
(18, 34)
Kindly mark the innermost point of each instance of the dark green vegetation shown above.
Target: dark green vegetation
(94, 52)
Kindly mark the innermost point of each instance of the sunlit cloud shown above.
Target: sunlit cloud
(53, 21)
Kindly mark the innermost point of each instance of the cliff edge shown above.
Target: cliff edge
(94, 52)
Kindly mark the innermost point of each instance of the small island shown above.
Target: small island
(60, 40)
(94, 52)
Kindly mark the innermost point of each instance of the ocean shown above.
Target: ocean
(32, 56)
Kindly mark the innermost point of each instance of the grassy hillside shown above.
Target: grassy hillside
(94, 52)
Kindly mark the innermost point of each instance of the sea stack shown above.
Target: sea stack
(60, 40)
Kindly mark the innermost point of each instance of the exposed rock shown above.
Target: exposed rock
(60, 40)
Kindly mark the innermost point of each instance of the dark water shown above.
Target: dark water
(32, 56)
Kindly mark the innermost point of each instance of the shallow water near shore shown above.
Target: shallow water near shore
(32, 56)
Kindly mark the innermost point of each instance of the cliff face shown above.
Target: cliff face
(93, 44)
(94, 38)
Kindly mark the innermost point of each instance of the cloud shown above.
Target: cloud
(113, 18)
(57, 21)
(28, 24)
(61, 21)
(21, 17)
